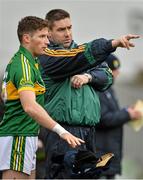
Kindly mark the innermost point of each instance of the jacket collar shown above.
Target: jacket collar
(52, 45)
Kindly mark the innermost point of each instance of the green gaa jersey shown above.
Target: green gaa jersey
(22, 73)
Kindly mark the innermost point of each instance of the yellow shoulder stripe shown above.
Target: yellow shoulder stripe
(65, 53)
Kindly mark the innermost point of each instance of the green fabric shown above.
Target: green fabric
(69, 105)
(17, 153)
(73, 106)
(88, 53)
(21, 73)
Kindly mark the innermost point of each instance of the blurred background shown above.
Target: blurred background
(92, 19)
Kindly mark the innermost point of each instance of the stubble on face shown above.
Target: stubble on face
(61, 32)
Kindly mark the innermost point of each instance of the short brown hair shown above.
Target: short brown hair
(56, 15)
(30, 24)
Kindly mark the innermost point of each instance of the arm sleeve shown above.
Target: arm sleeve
(23, 76)
(102, 77)
(58, 64)
(110, 118)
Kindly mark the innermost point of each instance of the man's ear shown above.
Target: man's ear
(26, 38)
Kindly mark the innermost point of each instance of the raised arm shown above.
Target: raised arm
(58, 64)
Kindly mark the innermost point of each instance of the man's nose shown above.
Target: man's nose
(47, 41)
(67, 32)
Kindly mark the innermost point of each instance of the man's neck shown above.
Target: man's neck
(55, 45)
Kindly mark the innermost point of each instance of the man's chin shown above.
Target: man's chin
(67, 45)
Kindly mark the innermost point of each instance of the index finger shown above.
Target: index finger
(132, 36)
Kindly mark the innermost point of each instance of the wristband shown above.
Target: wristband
(59, 129)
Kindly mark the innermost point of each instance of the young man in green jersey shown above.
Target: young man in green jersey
(22, 92)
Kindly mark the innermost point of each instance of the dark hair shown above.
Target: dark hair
(30, 24)
(56, 15)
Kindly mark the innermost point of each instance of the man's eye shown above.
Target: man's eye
(61, 29)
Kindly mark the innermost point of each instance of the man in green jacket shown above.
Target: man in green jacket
(78, 110)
